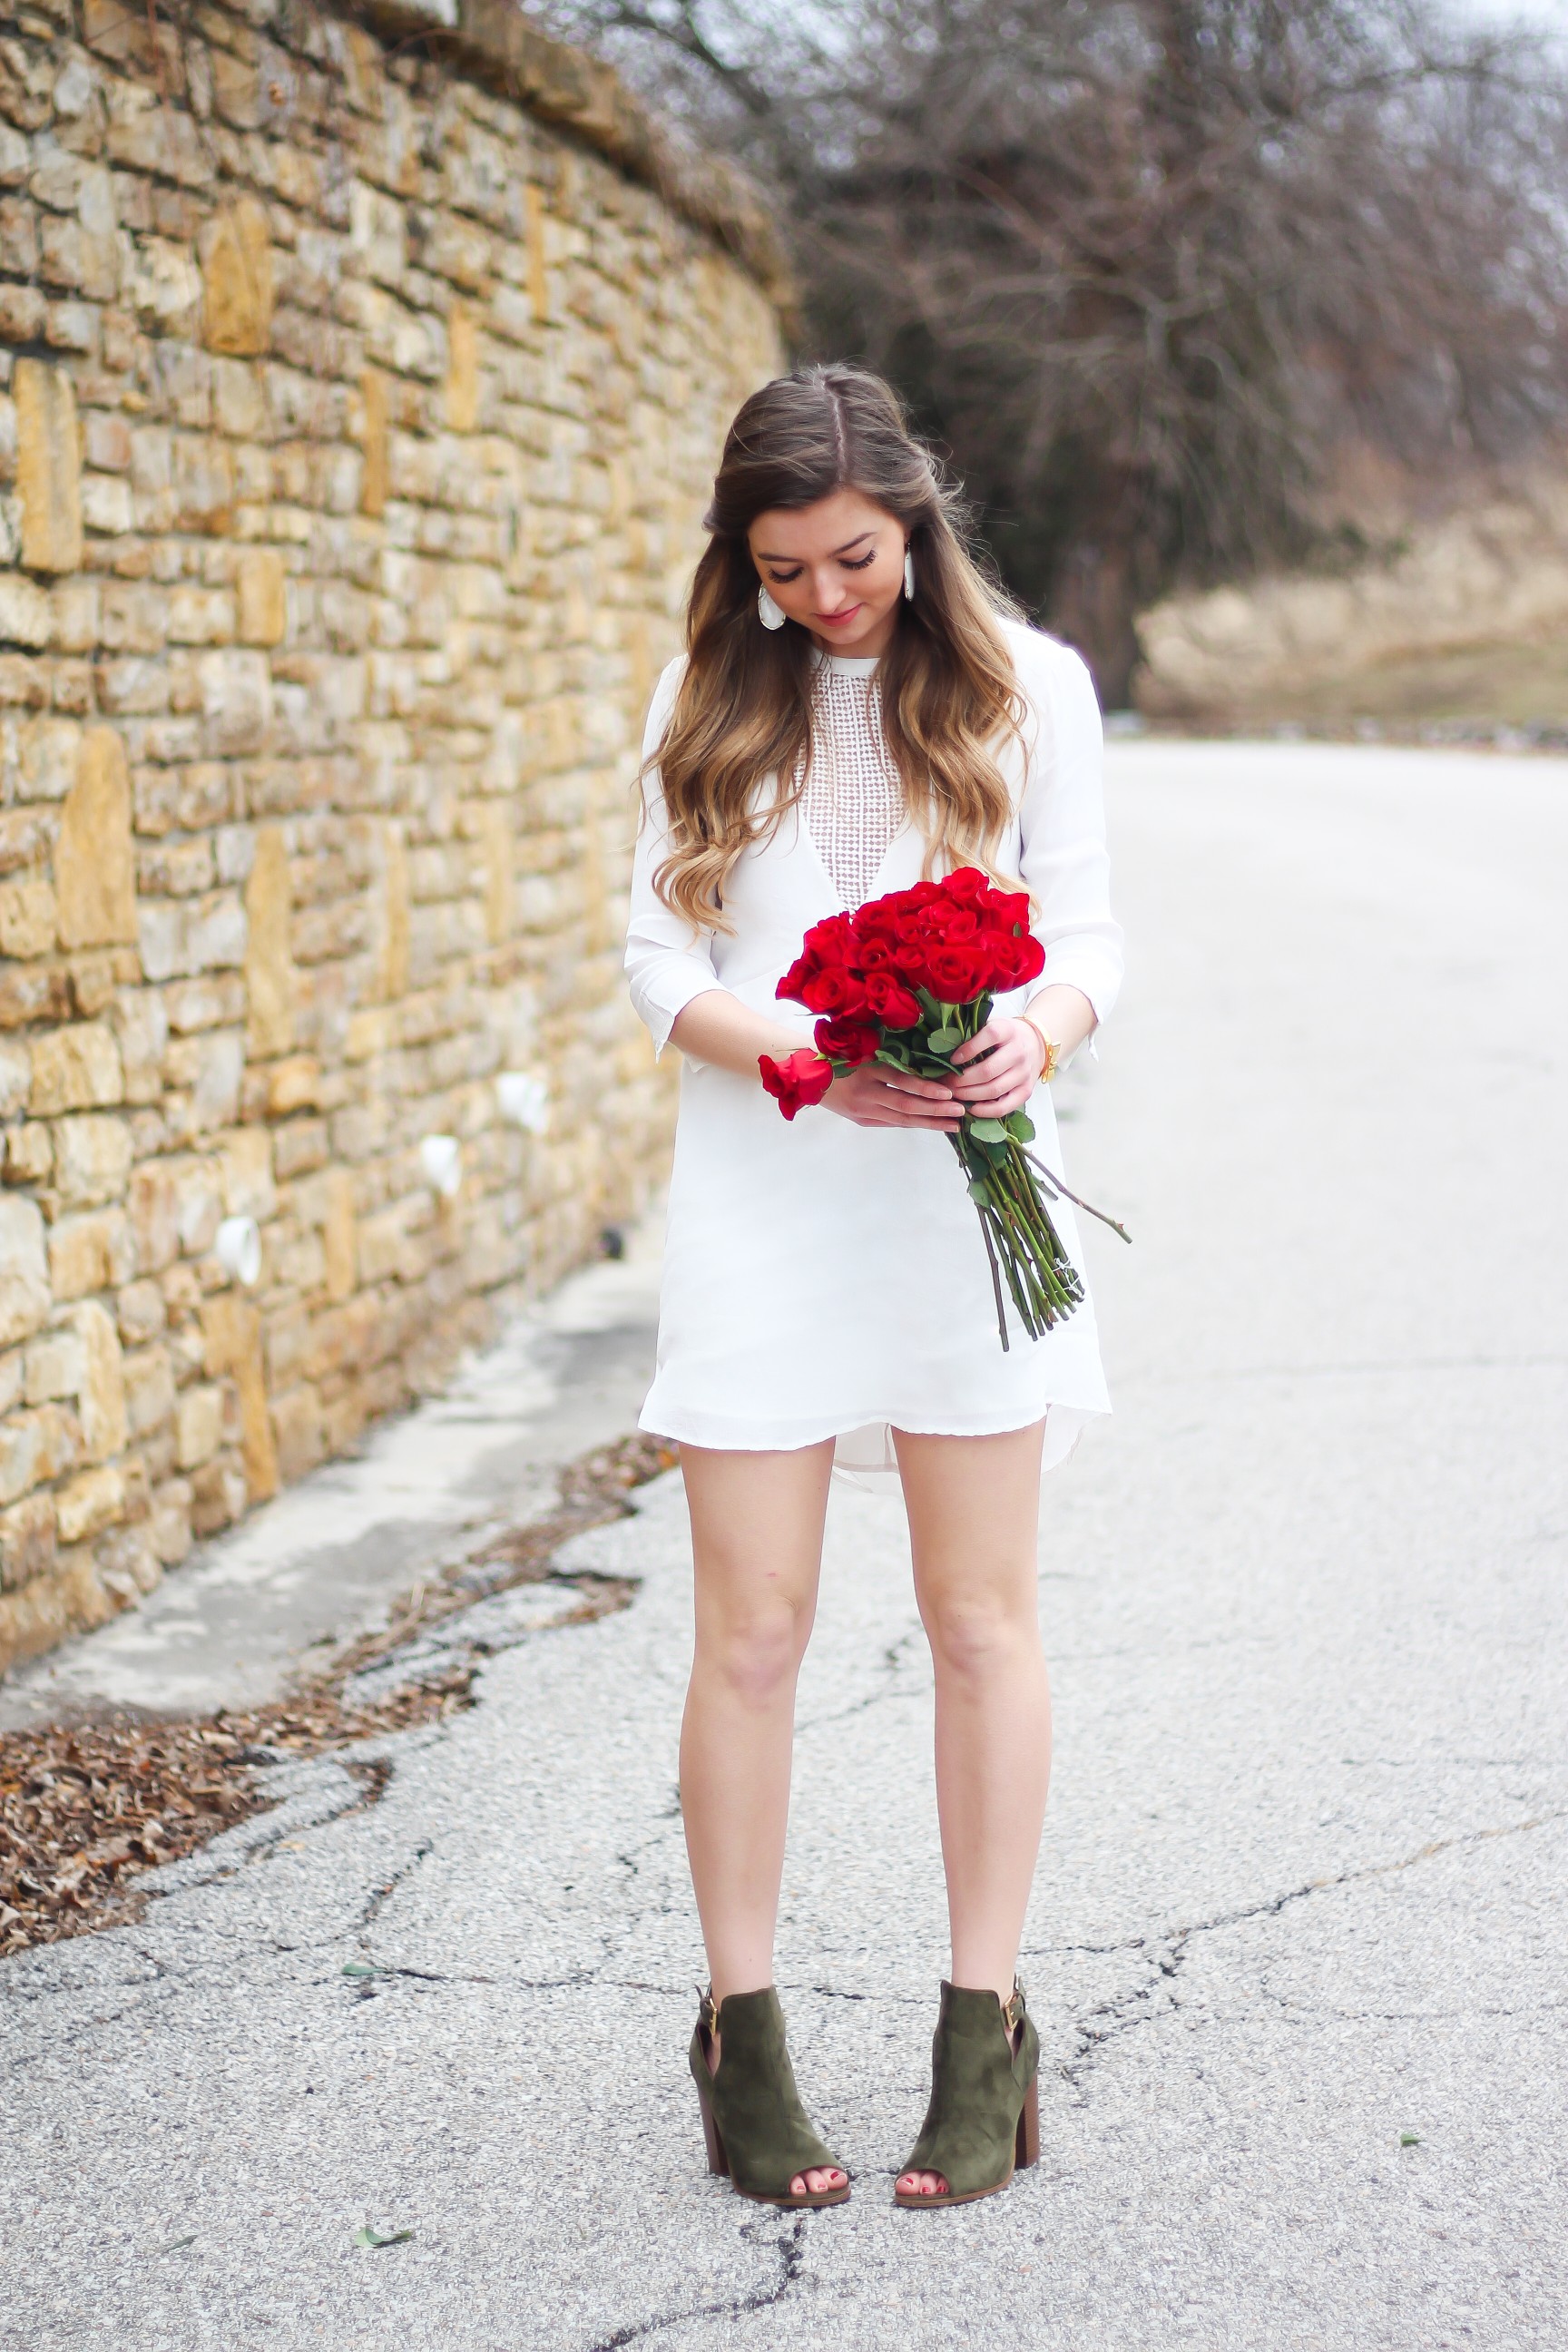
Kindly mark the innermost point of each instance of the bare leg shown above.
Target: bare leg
(756, 1542)
(973, 1506)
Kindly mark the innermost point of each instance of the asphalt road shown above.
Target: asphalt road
(1296, 1948)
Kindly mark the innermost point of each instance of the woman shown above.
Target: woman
(852, 712)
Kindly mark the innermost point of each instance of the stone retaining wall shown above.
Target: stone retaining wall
(359, 400)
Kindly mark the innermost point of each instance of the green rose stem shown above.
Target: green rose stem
(1005, 1179)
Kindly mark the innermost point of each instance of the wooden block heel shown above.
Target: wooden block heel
(717, 2160)
(1026, 2148)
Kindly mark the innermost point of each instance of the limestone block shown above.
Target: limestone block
(500, 882)
(141, 1025)
(94, 1251)
(233, 1331)
(220, 1068)
(198, 1425)
(236, 251)
(50, 750)
(462, 369)
(538, 260)
(198, 1193)
(27, 1541)
(245, 1173)
(24, 838)
(270, 980)
(24, 1280)
(52, 1367)
(29, 1154)
(27, 917)
(75, 1068)
(141, 1311)
(19, 1455)
(101, 1397)
(392, 956)
(106, 505)
(205, 935)
(91, 1501)
(26, 615)
(168, 1525)
(94, 868)
(374, 438)
(15, 1077)
(93, 1159)
(339, 1236)
(31, 1621)
(236, 701)
(263, 602)
(149, 1378)
(154, 1205)
(48, 467)
(294, 1084)
(217, 1496)
(126, 1564)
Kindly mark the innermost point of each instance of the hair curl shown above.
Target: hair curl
(743, 711)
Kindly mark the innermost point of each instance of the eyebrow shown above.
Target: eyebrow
(868, 532)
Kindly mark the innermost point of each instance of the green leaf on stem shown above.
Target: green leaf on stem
(1019, 1124)
(942, 1041)
(987, 1130)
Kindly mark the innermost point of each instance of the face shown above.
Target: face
(836, 567)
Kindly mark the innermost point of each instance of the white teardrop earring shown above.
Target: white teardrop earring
(768, 612)
(909, 573)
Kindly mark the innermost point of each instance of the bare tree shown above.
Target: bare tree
(1146, 268)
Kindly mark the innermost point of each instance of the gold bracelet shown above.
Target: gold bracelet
(1049, 1065)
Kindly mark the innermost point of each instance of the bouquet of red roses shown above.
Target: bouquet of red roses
(906, 980)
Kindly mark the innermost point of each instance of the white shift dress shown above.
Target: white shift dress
(826, 1280)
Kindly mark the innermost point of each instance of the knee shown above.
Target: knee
(755, 1654)
(975, 1640)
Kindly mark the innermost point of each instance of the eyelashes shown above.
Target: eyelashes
(856, 563)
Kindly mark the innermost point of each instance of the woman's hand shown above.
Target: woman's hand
(878, 1095)
(998, 1068)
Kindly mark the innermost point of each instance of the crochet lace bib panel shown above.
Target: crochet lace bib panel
(853, 803)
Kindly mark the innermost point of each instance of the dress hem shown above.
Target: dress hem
(662, 1425)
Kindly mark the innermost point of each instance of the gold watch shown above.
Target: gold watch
(1048, 1068)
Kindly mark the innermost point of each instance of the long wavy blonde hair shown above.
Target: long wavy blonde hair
(743, 709)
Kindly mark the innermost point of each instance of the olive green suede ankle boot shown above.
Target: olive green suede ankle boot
(984, 2118)
(753, 2120)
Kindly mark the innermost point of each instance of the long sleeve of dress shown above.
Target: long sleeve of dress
(668, 963)
(1062, 817)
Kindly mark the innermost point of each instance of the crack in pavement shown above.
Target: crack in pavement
(791, 2248)
(1167, 1955)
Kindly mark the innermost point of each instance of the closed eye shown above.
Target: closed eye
(859, 563)
(784, 578)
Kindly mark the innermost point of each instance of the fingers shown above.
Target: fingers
(984, 1041)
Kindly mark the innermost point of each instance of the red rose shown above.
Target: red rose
(798, 1081)
(1016, 960)
(831, 942)
(956, 922)
(891, 1003)
(968, 886)
(848, 1040)
(960, 972)
(833, 990)
(876, 955)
